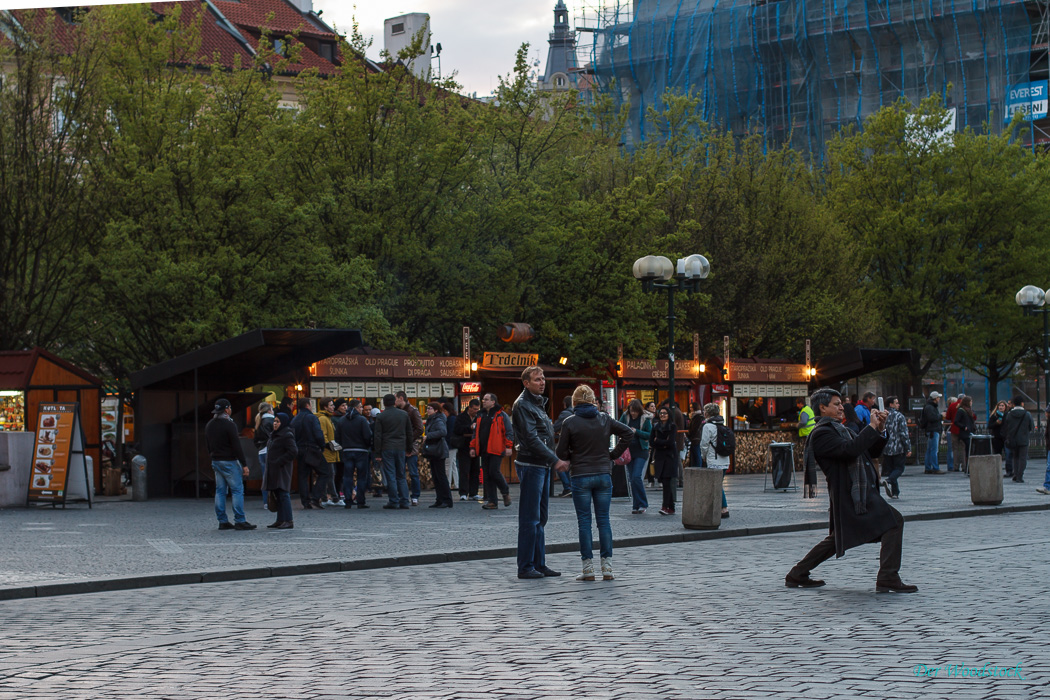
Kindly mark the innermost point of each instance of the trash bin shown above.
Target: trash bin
(781, 466)
(980, 445)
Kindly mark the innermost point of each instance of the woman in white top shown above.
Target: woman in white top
(713, 460)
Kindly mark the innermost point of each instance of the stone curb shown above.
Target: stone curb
(184, 578)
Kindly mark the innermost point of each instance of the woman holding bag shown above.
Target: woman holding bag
(634, 417)
(584, 444)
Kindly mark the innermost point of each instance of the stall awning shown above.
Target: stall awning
(549, 371)
(848, 364)
(252, 358)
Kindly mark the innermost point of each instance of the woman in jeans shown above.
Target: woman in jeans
(281, 452)
(584, 444)
(634, 417)
(664, 440)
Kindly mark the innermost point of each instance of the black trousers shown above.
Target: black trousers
(313, 463)
(889, 555)
(669, 492)
(442, 490)
(469, 469)
(493, 477)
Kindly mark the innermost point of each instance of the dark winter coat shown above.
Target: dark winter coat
(584, 441)
(437, 431)
(280, 453)
(836, 450)
(965, 423)
(353, 432)
(1016, 427)
(930, 421)
(664, 441)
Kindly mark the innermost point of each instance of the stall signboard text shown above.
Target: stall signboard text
(649, 369)
(331, 390)
(511, 360)
(765, 372)
(59, 468)
(391, 367)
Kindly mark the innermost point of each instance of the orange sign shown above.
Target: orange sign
(58, 457)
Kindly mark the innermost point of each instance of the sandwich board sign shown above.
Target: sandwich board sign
(59, 473)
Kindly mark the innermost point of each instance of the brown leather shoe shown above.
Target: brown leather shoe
(897, 586)
(489, 506)
(506, 499)
(802, 581)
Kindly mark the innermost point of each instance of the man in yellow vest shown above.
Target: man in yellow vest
(806, 422)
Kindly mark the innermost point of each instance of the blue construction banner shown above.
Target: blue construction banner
(1027, 98)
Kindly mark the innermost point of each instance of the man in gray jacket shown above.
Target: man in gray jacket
(1016, 427)
(392, 439)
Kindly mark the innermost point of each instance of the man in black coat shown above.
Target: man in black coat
(309, 440)
(858, 513)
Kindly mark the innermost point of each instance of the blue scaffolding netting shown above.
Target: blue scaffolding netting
(799, 70)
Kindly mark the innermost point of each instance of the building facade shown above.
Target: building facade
(798, 71)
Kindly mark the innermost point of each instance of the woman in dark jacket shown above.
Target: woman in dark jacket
(966, 420)
(280, 453)
(634, 417)
(435, 449)
(995, 426)
(584, 444)
(664, 441)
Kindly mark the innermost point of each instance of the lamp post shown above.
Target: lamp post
(1033, 300)
(656, 272)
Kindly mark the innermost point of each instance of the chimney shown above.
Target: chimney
(303, 6)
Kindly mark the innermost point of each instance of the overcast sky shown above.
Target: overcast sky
(478, 39)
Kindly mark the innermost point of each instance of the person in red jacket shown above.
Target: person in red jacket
(956, 450)
(493, 440)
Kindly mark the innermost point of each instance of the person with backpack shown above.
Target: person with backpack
(263, 430)
(584, 444)
(717, 444)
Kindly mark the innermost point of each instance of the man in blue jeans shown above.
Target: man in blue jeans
(229, 465)
(392, 440)
(534, 440)
(930, 421)
(412, 455)
(355, 435)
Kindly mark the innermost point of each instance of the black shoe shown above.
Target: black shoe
(286, 525)
(243, 526)
(897, 587)
(530, 573)
(226, 525)
(437, 505)
(489, 506)
(275, 525)
(362, 505)
(317, 505)
(404, 507)
(389, 506)
(802, 581)
(348, 506)
(307, 506)
(547, 571)
(565, 493)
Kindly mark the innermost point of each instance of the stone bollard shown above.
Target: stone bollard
(986, 480)
(702, 498)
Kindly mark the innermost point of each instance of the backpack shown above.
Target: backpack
(725, 441)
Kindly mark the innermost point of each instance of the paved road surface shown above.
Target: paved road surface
(697, 620)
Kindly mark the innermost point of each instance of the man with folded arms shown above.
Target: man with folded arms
(859, 514)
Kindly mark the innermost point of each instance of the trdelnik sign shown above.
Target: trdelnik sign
(1030, 99)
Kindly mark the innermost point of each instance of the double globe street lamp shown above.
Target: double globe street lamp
(1033, 300)
(656, 272)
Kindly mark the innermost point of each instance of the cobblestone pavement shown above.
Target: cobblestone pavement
(124, 538)
(690, 620)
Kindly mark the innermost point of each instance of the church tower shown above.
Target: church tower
(561, 56)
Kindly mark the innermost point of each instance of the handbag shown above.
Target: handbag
(623, 459)
(271, 501)
(334, 446)
(432, 449)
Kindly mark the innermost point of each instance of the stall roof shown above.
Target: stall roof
(549, 371)
(16, 368)
(251, 358)
(848, 364)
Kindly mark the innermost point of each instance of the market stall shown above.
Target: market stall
(29, 378)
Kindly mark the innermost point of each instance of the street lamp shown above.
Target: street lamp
(1033, 299)
(656, 272)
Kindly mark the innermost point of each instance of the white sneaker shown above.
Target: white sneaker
(266, 507)
(1043, 491)
(415, 501)
(462, 498)
(588, 571)
(607, 574)
(340, 502)
(329, 502)
(478, 498)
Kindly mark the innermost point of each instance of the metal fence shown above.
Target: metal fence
(1036, 444)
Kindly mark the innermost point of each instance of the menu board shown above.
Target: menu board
(59, 471)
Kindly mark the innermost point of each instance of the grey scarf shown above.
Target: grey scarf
(861, 472)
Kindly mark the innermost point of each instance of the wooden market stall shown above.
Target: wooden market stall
(31, 377)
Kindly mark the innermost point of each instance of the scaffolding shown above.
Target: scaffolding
(798, 71)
